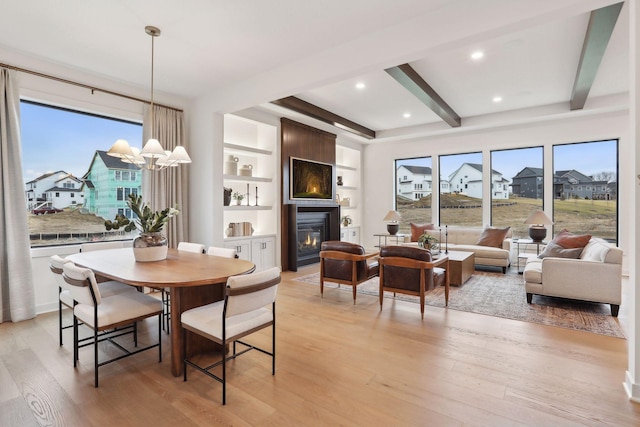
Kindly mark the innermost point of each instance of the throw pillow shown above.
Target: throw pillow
(493, 237)
(569, 241)
(557, 251)
(418, 230)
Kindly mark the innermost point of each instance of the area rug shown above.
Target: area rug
(504, 296)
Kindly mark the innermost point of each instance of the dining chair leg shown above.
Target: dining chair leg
(60, 317)
(135, 334)
(224, 373)
(159, 338)
(273, 342)
(75, 341)
(95, 356)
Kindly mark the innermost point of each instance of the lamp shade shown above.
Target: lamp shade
(152, 149)
(121, 149)
(392, 216)
(538, 217)
(179, 155)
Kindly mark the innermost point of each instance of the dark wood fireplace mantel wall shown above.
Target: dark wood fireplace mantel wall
(305, 142)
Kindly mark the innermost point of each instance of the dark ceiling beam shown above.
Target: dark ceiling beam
(414, 83)
(308, 109)
(601, 24)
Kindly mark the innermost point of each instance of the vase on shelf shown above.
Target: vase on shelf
(149, 247)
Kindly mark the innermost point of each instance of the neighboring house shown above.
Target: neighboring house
(107, 185)
(414, 182)
(467, 179)
(571, 184)
(528, 183)
(56, 189)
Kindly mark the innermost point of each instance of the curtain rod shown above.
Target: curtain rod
(82, 85)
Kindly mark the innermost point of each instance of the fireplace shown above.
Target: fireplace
(309, 226)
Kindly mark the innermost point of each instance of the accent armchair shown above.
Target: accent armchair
(411, 271)
(346, 263)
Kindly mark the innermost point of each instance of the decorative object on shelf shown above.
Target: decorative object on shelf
(346, 220)
(238, 197)
(246, 170)
(345, 201)
(339, 180)
(152, 156)
(537, 220)
(231, 165)
(227, 196)
(151, 244)
(239, 229)
(428, 241)
(247, 194)
(256, 195)
(392, 219)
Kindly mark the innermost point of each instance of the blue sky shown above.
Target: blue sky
(588, 158)
(54, 139)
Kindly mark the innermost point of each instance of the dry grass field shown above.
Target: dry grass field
(64, 223)
(595, 217)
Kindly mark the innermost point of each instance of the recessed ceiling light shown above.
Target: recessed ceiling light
(497, 99)
(360, 85)
(406, 115)
(477, 55)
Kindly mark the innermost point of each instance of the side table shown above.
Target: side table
(524, 255)
(399, 238)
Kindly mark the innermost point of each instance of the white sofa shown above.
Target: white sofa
(464, 239)
(596, 276)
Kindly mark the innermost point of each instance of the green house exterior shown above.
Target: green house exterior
(107, 185)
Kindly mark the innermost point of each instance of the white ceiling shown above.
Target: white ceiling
(244, 53)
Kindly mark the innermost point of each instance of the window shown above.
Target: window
(521, 169)
(66, 142)
(593, 164)
(461, 205)
(414, 206)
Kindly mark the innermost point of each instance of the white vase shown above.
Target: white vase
(149, 247)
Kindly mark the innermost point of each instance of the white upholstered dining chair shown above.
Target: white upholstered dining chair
(107, 288)
(242, 312)
(223, 252)
(103, 313)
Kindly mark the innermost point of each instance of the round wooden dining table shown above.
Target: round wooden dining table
(194, 280)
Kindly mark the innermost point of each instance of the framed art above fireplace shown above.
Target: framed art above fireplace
(311, 180)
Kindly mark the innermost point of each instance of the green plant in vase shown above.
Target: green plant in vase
(346, 221)
(428, 241)
(238, 197)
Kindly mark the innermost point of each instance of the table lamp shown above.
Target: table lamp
(537, 221)
(392, 226)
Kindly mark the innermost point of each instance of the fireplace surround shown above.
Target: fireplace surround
(309, 226)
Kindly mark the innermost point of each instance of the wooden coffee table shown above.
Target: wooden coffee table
(461, 267)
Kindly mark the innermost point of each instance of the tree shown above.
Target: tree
(604, 176)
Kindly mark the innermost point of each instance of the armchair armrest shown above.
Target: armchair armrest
(345, 256)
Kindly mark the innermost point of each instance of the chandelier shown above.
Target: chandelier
(152, 156)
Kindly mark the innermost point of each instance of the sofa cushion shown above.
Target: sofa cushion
(555, 250)
(595, 251)
(533, 271)
(493, 237)
(482, 251)
(418, 230)
(568, 240)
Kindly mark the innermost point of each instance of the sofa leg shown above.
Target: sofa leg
(614, 310)
(529, 297)
(504, 270)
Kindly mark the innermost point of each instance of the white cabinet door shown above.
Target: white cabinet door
(242, 247)
(350, 234)
(354, 235)
(263, 253)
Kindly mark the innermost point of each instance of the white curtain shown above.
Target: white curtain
(17, 293)
(168, 187)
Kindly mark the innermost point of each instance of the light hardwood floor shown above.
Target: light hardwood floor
(338, 364)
